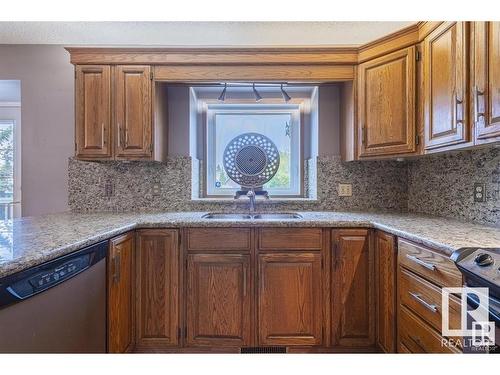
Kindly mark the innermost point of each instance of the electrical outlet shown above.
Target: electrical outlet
(479, 192)
(345, 190)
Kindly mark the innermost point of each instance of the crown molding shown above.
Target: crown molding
(253, 56)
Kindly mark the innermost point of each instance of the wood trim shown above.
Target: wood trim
(254, 56)
(390, 43)
(225, 56)
(209, 73)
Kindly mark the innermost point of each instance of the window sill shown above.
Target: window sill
(244, 201)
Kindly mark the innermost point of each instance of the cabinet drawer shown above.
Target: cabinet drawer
(429, 264)
(418, 337)
(218, 239)
(290, 239)
(424, 299)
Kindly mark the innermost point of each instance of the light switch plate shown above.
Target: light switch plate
(345, 190)
(156, 190)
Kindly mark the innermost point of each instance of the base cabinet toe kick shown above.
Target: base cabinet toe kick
(277, 290)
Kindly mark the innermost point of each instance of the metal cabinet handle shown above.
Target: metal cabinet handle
(427, 265)
(423, 302)
(458, 102)
(122, 136)
(103, 134)
(477, 114)
(117, 268)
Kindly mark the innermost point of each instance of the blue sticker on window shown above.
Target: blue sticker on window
(218, 184)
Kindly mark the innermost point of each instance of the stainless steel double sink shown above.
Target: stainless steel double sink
(252, 216)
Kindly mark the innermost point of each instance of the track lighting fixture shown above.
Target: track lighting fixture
(285, 95)
(258, 98)
(222, 95)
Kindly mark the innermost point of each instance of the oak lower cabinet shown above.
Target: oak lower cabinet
(121, 293)
(157, 285)
(485, 76)
(422, 273)
(289, 302)
(219, 300)
(446, 120)
(386, 104)
(352, 289)
(385, 274)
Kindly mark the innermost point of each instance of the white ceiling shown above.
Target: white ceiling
(196, 33)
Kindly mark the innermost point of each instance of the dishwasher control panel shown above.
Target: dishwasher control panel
(49, 277)
(32, 281)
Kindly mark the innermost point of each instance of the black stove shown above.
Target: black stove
(480, 268)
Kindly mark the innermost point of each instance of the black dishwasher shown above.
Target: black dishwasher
(56, 307)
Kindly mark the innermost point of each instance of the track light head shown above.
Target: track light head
(285, 95)
(258, 98)
(222, 95)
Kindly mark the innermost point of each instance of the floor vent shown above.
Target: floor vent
(264, 350)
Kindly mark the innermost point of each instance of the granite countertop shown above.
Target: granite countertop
(30, 241)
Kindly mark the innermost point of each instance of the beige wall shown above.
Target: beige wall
(47, 108)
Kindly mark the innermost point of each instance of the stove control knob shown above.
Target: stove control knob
(483, 260)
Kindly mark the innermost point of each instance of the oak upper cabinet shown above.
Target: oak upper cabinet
(485, 86)
(385, 273)
(446, 122)
(121, 296)
(219, 296)
(93, 112)
(132, 105)
(290, 299)
(386, 104)
(157, 268)
(352, 289)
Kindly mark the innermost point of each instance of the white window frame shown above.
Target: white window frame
(296, 177)
(14, 207)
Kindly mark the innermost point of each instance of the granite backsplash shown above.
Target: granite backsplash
(435, 184)
(376, 185)
(443, 185)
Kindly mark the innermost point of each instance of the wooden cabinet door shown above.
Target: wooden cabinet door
(290, 299)
(352, 289)
(386, 104)
(385, 271)
(445, 100)
(133, 124)
(121, 296)
(218, 300)
(157, 288)
(93, 112)
(486, 81)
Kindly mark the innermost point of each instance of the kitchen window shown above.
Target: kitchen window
(280, 123)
